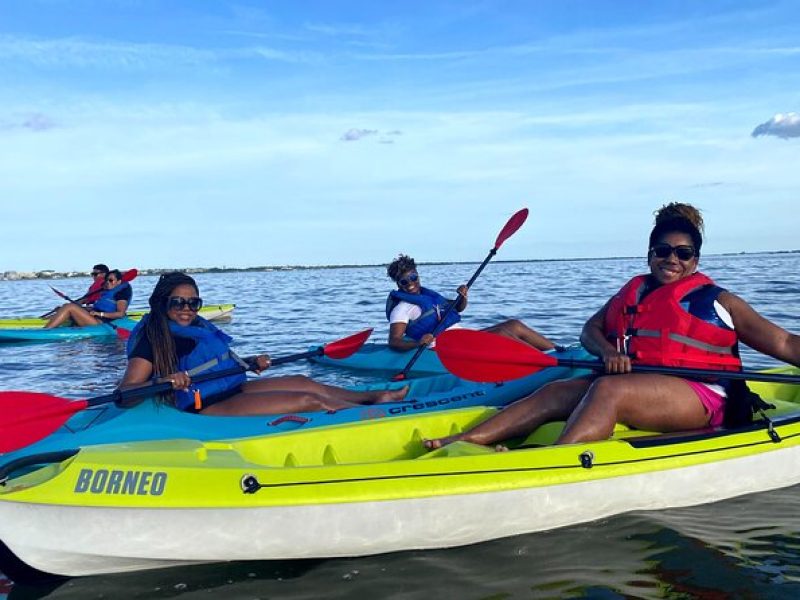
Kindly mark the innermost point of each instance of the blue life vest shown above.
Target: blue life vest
(433, 306)
(211, 353)
(106, 302)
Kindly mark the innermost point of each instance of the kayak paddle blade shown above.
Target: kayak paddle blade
(30, 416)
(488, 357)
(346, 346)
(511, 227)
(130, 275)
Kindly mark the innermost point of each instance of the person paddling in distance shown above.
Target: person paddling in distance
(172, 343)
(674, 316)
(92, 295)
(112, 304)
(414, 312)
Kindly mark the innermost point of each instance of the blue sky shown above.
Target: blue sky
(209, 133)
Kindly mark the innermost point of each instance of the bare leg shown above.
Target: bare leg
(644, 401)
(552, 402)
(79, 316)
(300, 383)
(517, 330)
(271, 403)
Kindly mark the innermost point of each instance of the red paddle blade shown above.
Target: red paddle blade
(346, 346)
(130, 274)
(27, 417)
(122, 333)
(488, 357)
(514, 223)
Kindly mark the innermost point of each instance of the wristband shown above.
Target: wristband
(102, 314)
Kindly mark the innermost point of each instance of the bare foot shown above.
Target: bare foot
(437, 443)
(391, 395)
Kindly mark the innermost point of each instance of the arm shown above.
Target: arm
(140, 372)
(122, 310)
(461, 303)
(137, 374)
(594, 340)
(397, 340)
(759, 333)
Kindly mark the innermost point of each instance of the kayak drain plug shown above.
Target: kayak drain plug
(249, 484)
(587, 459)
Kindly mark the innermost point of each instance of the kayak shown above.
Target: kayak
(63, 334)
(151, 420)
(213, 312)
(380, 357)
(366, 488)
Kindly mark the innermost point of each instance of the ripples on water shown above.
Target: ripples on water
(743, 548)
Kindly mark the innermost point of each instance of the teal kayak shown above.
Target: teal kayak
(150, 420)
(211, 312)
(63, 334)
(380, 357)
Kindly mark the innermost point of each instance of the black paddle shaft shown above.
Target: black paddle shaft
(687, 372)
(437, 330)
(166, 386)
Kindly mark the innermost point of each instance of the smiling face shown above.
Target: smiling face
(182, 315)
(671, 268)
(409, 282)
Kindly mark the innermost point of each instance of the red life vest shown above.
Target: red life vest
(657, 330)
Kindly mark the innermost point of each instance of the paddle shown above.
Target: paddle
(509, 229)
(26, 417)
(488, 357)
(128, 275)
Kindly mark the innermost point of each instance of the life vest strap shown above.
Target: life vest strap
(210, 364)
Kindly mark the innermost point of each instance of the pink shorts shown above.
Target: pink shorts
(711, 401)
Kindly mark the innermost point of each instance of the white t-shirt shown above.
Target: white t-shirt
(405, 312)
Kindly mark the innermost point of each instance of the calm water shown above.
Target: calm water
(743, 548)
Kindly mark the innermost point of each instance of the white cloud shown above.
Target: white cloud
(784, 126)
(353, 135)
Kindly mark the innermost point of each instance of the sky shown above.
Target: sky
(178, 133)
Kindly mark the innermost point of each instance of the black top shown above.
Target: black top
(126, 293)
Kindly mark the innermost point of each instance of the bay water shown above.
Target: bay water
(746, 547)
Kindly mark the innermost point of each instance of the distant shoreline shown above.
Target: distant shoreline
(51, 274)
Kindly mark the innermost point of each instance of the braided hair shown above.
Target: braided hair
(165, 358)
(677, 217)
(401, 264)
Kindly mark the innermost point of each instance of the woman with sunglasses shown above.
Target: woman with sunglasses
(173, 343)
(414, 312)
(674, 316)
(112, 303)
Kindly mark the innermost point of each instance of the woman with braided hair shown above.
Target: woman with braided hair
(173, 343)
(673, 316)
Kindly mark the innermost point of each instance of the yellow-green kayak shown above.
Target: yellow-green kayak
(212, 312)
(366, 488)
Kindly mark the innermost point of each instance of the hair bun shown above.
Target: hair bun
(679, 210)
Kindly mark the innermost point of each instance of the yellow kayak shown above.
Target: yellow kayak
(366, 488)
(212, 312)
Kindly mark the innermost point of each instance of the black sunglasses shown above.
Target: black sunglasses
(178, 303)
(682, 252)
(412, 278)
